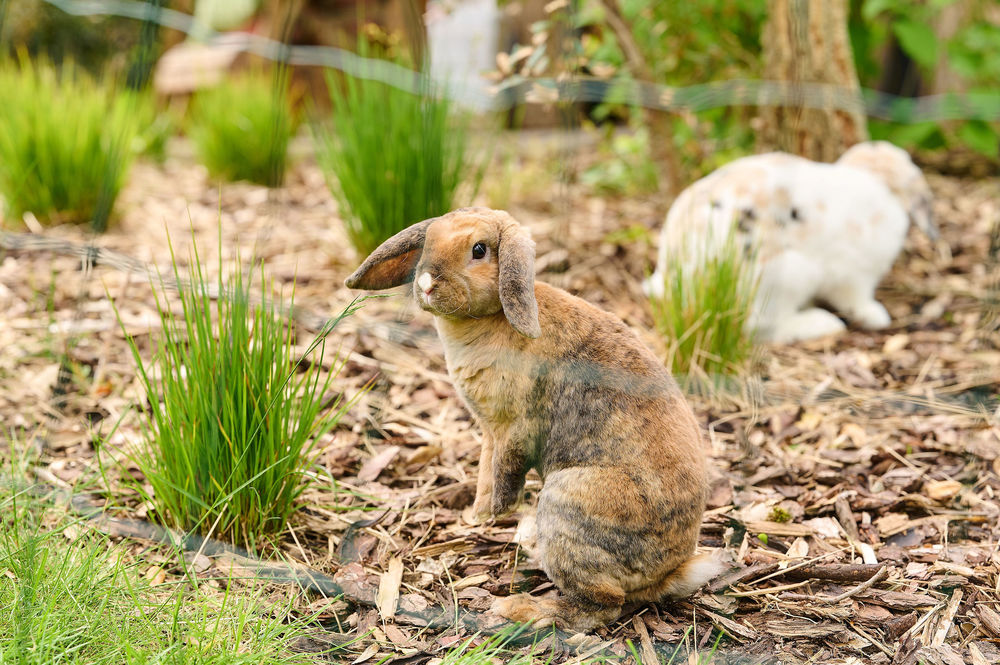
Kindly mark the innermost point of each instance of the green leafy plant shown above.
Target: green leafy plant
(704, 312)
(241, 128)
(233, 411)
(971, 52)
(672, 43)
(65, 143)
(625, 167)
(392, 158)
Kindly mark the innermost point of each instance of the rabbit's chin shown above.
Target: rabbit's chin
(441, 307)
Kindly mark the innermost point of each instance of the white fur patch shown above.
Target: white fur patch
(696, 572)
(425, 281)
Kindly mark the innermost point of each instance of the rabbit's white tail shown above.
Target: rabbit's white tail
(693, 574)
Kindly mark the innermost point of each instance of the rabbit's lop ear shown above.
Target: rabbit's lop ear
(393, 262)
(516, 256)
(922, 216)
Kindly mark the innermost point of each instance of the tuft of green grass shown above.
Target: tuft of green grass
(392, 158)
(233, 410)
(65, 143)
(241, 128)
(705, 309)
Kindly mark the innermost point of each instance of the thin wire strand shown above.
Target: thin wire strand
(576, 88)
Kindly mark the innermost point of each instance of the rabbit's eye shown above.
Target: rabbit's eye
(478, 250)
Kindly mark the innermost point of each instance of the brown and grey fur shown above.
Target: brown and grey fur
(563, 387)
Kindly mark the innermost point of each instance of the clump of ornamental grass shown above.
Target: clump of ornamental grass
(234, 410)
(65, 143)
(705, 310)
(392, 157)
(242, 126)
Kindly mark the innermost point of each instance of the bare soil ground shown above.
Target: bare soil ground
(857, 478)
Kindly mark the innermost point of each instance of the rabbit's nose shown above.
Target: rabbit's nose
(425, 282)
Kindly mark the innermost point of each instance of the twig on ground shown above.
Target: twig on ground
(832, 600)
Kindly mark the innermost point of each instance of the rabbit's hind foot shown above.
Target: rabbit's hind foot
(572, 613)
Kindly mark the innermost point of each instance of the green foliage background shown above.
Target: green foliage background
(972, 53)
(690, 43)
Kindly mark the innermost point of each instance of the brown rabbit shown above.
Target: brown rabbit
(563, 387)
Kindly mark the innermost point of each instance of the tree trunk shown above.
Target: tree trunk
(806, 42)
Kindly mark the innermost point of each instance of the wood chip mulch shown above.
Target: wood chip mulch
(856, 479)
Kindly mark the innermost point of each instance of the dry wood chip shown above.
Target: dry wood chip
(649, 654)
(898, 600)
(198, 562)
(737, 576)
(779, 529)
(456, 545)
(810, 608)
(358, 584)
(367, 654)
(953, 568)
(894, 628)
(891, 523)
(835, 572)
(938, 655)
(155, 575)
(472, 580)
(977, 656)
(387, 598)
(947, 619)
(737, 630)
(825, 527)
(872, 614)
(423, 454)
(799, 549)
(846, 517)
(803, 628)
(988, 618)
(942, 490)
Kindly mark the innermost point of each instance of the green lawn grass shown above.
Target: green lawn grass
(69, 595)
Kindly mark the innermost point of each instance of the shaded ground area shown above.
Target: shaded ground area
(836, 459)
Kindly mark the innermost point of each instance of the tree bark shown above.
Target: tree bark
(806, 42)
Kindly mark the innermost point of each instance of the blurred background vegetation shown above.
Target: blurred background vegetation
(900, 47)
(903, 48)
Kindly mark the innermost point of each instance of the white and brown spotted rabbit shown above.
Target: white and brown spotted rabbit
(563, 387)
(824, 234)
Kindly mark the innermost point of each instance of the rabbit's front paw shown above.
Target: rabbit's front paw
(807, 324)
(503, 503)
(482, 507)
(872, 316)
